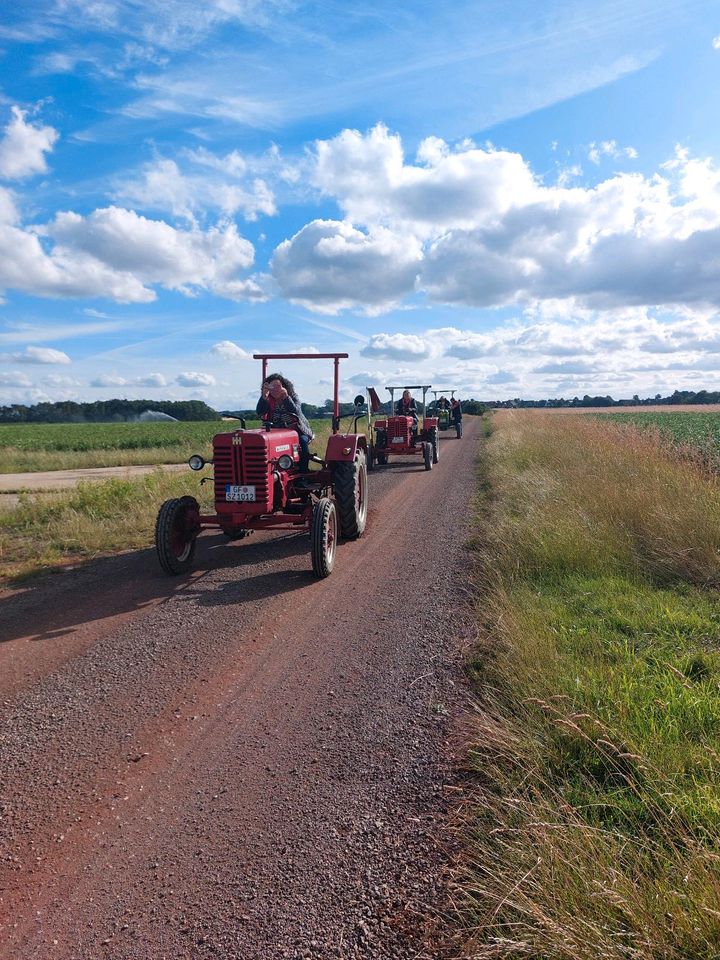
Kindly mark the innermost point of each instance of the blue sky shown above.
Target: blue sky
(510, 198)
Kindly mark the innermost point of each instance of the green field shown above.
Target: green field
(692, 431)
(31, 447)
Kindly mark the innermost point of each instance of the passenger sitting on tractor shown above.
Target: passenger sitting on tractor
(443, 403)
(406, 407)
(280, 405)
(456, 414)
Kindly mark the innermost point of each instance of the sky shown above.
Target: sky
(505, 197)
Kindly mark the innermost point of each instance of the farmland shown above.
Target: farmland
(689, 431)
(28, 448)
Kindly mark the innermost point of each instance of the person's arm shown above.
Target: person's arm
(263, 407)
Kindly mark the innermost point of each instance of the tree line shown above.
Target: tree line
(104, 411)
(116, 411)
(676, 398)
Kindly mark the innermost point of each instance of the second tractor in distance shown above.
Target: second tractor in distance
(393, 435)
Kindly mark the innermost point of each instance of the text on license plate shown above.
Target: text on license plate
(398, 439)
(234, 492)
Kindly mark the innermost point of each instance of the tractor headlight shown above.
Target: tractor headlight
(285, 462)
(196, 462)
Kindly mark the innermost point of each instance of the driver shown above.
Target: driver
(406, 407)
(280, 405)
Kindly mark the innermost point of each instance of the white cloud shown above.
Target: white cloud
(329, 266)
(114, 380)
(397, 346)
(53, 380)
(716, 43)
(151, 380)
(610, 148)
(374, 186)
(193, 379)
(116, 253)
(36, 355)
(227, 350)
(14, 379)
(366, 378)
(474, 226)
(109, 380)
(634, 350)
(222, 185)
(23, 147)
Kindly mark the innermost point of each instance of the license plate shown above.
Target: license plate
(398, 439)
(234, 492)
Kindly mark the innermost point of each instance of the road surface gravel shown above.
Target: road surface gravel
(245, 762)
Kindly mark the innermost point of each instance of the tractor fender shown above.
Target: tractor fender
(341, 449)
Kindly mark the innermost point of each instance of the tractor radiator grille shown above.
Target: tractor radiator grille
(222, 459)
(255, 470)
(397, 428)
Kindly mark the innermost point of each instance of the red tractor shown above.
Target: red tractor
(399, 435)
(258, 486)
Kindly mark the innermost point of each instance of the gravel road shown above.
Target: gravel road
(244, 763)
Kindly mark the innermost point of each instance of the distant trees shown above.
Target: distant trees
(104, 411)
(109, 411)
(679, 396)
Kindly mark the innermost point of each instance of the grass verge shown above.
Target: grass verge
(599, 700)
(50, 530)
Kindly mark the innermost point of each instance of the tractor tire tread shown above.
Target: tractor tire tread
(166, 518)
(344, 481)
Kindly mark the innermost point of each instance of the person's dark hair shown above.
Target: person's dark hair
(288, 384)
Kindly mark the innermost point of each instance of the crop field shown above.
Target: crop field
(691, 431)
(32, 447)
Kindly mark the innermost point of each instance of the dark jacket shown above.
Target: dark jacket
(456, 412)
(406, 411)
(286, 413)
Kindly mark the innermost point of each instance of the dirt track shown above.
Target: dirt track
(246, 763)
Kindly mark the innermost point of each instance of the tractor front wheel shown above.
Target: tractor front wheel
(323, 537)
(350, 489)
(371, 458)
(427, 455)
(176, 530)
(382, 459)
(435, 441)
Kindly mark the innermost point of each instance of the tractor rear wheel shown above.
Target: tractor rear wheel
(427, 455)
(323, 537)
(371, 459)
(176, 530)
(435, 441)
(350, 489)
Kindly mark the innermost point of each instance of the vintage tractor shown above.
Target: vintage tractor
(441, 412)
(258, 486)
(393, 435)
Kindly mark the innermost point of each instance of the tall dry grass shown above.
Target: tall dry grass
(578, 494)
(595, 825)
